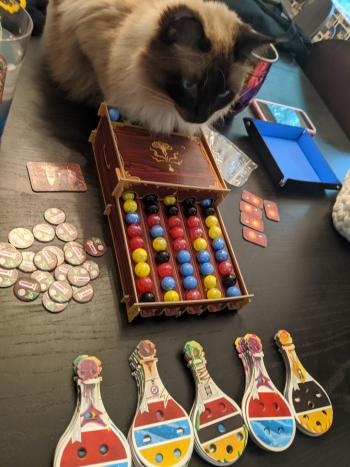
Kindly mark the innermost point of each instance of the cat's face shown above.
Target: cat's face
(197, 69)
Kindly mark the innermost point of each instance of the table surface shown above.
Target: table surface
(301, 282)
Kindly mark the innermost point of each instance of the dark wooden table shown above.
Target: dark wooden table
(301, 282)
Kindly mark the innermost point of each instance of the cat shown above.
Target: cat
(169, 65)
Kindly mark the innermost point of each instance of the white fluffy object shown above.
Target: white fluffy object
(341, 209)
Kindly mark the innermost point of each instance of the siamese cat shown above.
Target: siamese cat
(169, 65)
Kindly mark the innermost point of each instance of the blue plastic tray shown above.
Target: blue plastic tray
(290, 154)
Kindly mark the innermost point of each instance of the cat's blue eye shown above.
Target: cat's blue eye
(188, 84)
(224, 94)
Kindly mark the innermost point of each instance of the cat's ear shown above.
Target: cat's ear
(181, 25)
(247, 40)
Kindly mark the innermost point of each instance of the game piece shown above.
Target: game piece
(266, 412)
(149, 199)
(75, 255)
(209, 212)
(193, 294)
(190, 282)
(206, 203)
(136, 242)
(44, 278)
(252, 199)
(161, 257)
(206, 269)
(165, 269)
(183, 256)
(52, 306)
(139, 255)
(8, 277)
(210, 282)
(78, 276)
(156, 231)
(45, 260)
(186, 269)
(44, 232)
(215, 232)
(94, 246)
(310, 404)
(218, 243)
(211, 220)
(128, 195)
(153, 219)
(250, 209)
(21, 238)
(177, 232)
(171, 296)
(56, 251)
(132, 218)
(91, 438)
(214, 293)
(142, 269)
(49, 176)
(169, 200)
(188, 202)
(196, 233)
(60, 291)
(225, 267)
(190, 211)
(10, 257)
(179, 244)
(26, 289)
(147, 297)
(228, 280)
(114, 114)
(61, 272)
(221, 255)
(252, 236)
(84, 294)
(27, 264)
(130, 205)
(252, 222)
(168, 283)
(159, 244)
(233, 291)
(71, 244)
(271, 210)
(171, 211)
(144, 284)
(174, 221)
(200, 244)
(152, 209)
(54, 216)
(66, 232)
(219, 430)
(158, 416)
(203, 256)
(134, 230)
(193, 222)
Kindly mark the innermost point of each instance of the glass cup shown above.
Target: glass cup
(16, 29)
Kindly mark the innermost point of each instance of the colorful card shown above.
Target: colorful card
(252, 222)
(250, 209)
(252, 199)
(48, 176)
(271, 210)
(252, 236)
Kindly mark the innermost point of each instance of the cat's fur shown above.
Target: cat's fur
(162, 63)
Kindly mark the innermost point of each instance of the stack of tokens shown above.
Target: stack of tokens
(59, 274)
(142, 270)
(219, 431)
(161, 433)
(266, 412)
(222, 256)
(91, 438)
(310, 404)
(160, 246)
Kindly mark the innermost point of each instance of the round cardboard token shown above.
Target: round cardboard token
(44, 232)
(69, 244)
(92, 268)
(66, 232)
(26, 289)
(61, 272)
(44, 278)
(60, 291)
(8, 277)
(45, 260)
(52, 306)
(10, 258)
(78, 276)
(94, 246)
(21, 238)
(54, 216)
(83, 294)
(75, 255)
(27, 264)
(56, 251)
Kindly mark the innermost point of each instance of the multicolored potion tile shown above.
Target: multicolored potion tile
(91, 439)
(267, 414)
(309, 401)
(220, 433)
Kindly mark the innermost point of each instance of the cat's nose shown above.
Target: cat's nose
(193, 115)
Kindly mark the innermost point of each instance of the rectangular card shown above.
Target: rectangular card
(253, 236)
(271, 210)
(49, 176)
(252, 222)
(252, 199)
(250, 209)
